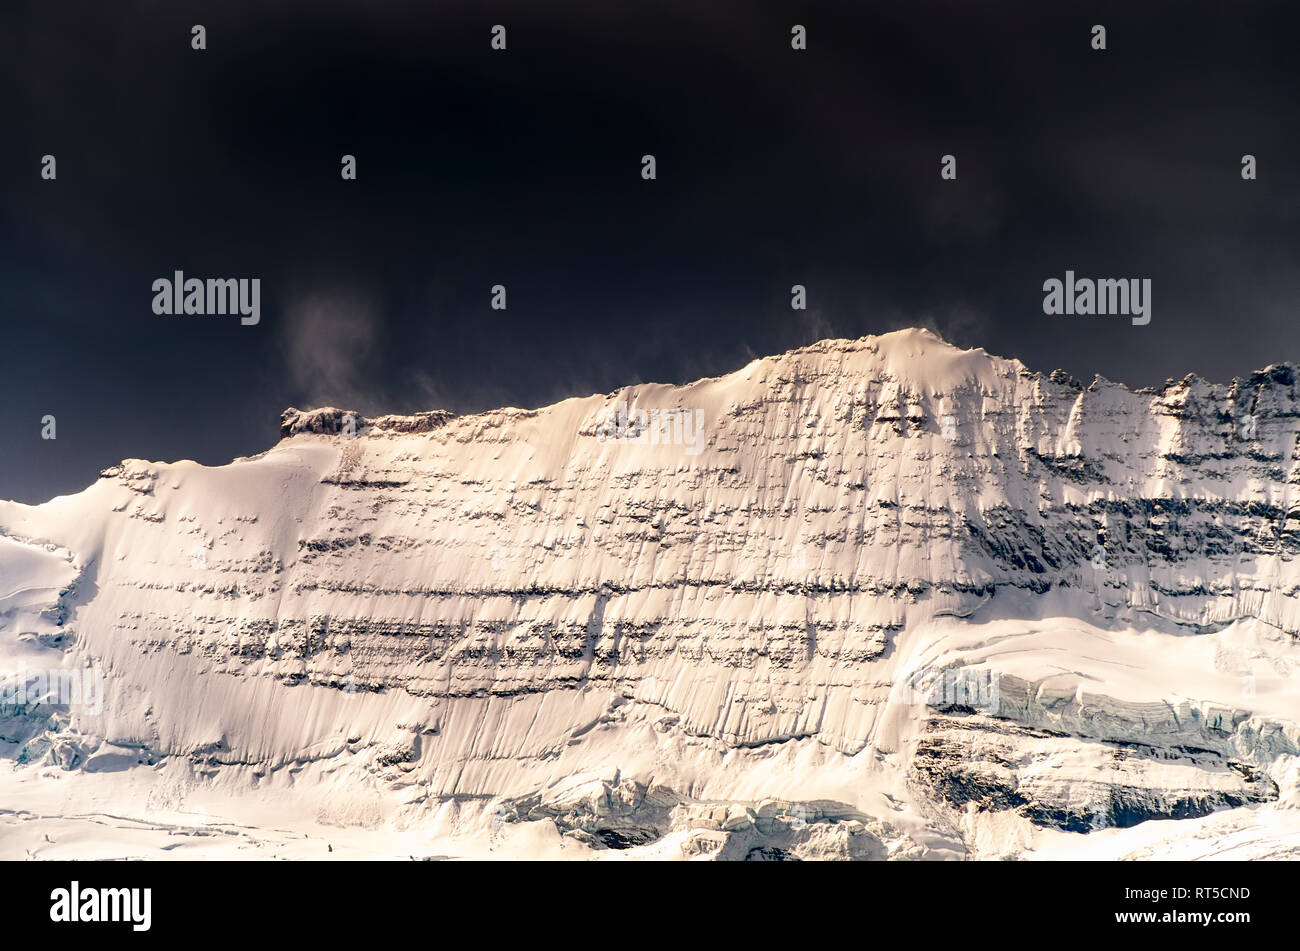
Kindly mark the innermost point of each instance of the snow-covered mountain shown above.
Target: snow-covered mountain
(877, 598)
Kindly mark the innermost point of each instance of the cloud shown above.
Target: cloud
(958, 322)
(817, 325)
(330, 343)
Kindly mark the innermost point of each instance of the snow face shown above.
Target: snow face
(873, 598)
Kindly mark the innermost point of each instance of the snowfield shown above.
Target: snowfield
(892, 600)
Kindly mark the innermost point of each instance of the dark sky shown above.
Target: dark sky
(522, 168)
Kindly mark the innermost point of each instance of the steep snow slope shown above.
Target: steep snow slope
(872, 598)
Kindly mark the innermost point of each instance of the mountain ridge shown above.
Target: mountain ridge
(607, 635)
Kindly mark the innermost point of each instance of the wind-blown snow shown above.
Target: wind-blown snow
(515, 631)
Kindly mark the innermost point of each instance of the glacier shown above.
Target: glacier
(510, 635)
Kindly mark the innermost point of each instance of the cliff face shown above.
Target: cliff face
(869, 598)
